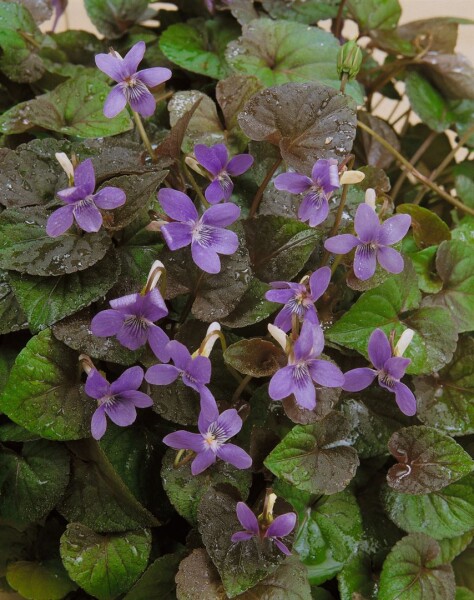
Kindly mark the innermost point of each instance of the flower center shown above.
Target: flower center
(85, 203)
(387, 379)
(300, 303)
(300, 373)
(366, 249)
(107, 400)
(225, 182)
(214, 437)
(136, 324)
(202, 234)
(134, 88)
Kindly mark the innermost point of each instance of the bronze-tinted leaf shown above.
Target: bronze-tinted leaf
(255, 357)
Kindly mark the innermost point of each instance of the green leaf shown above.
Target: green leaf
(375, 14)
(465, 189)
(446, 400)
(463, 567)
(427, 103)
(255, 357)
(186, 490)
(45, 580)
(114, 17)
(31, 483)
(158, 581)
(12, 317)
(110, 506)
(356, 579)
(428, 228)
(303, 11)
(413, 571)
(281, 51)
(329, 535)
(252, 307)
(463, 593)
(197, 578)
(296, 117)
(316, 458)
(455, 266)
(104, 565)
(46, 300)
(424, 265)
(279, 247)
(74, 108)
(452, 547)
(199, 45)
(43, 393)
(288, 582)
(26, 247)
(442, 514)
(386, 307)
(427, 460)
(240, 565)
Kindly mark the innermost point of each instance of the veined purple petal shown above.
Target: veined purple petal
(326, 174)
(241, 536)
(281, 384)
(283, 319)
(131, 379)
(214, 192)
(293, 183)
(304, 343)
(209, 411)
(394, 229)
(84, 177)
(133, 334)
(133, 58)
(141, 100)
(282, 525)
(358, 379)
(366, 223)
(153, 306)
(126, 304)
(115, 102)
(96, 386)
(279, 295)
(158, 341)
(314, 208)
(202, 461)
(110, 65)
(365, 262)
(87, 216)
(390, 259)
(239, 164)
(179, 354)
(60, 221)
(396, 366)
(325, 373)
(206, 259)
(230, 421)
(304, 391)
(177, 205)
(235, 456)
(109, 197)
(213, 159)
(98, 423)
(154, 76)
(139, 399)
(318, 282)
(341, 244)
(405, 399)
(200, 369)
(318, 340)
(379, 349)
(162, 374)
(177, 235)
(71, 195)
(223, 241)
(121, 413)
(184, 440)
(106, 323)
(247, 518)
(281, 546)
(221, 215)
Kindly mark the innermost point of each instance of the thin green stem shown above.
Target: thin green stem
(337, 29)
(258, 196)
(240, 388)
(421, 178)
(143, 135)
(195, 185)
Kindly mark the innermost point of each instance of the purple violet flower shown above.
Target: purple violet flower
(298, 299)
(278, 528)
(211, 441)
(132, 85)
(215, 160)
(372, 243)
(303, 368)
(389, 370)
(82, 204)
(131, 319)
(194, 372)
(206, 234)
(317, 189)
(118, 400)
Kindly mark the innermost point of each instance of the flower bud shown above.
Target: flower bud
(370, 197)
(213, 333)
(67, 165)
(351, 177)
(349, 60)
(403, 342)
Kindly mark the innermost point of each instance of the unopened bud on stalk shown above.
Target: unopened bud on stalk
(403, 342)
(193, 164)
(351, 177)
(349, 60)
(67, 166)
(370, 197)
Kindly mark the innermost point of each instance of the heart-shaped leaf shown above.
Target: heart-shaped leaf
(316, 458)
(255, 357)
(114, 17)
(158, 581)
(300, 119)
(375, 14)
(252, 307)
(12, 317)
(45, 580)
